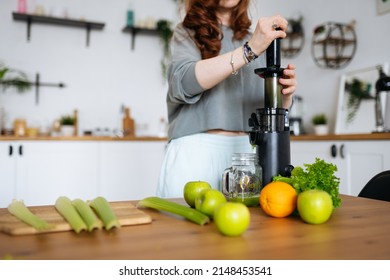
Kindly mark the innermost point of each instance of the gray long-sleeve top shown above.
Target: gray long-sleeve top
(226, 106)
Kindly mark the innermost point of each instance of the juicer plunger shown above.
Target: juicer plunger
(270, 130)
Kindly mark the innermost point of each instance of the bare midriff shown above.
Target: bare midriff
(227, 132)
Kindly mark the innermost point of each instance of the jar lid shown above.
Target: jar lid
(244, 158)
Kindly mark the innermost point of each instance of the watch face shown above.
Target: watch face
(251, 56)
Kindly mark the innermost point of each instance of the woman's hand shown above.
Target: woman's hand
(265, 32)
(289, 84)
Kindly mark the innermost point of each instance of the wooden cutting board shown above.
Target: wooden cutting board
(126, 212)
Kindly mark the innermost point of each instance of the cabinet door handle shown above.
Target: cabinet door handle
(20, 150)
(333, 150)
(342, 155)
(10, 150)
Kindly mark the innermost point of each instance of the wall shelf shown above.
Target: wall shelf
(135, 30)
(294, 41)
(335, 41)
(30, 18)
(334, 44)
(292, 44)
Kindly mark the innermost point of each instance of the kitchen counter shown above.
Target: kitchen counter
(342, 137)
(359, 229)
(81, 138)
(306, 137)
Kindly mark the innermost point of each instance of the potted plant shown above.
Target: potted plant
(165, 33)
(67, 125)
(13, 78)
(320, 123)
(358, 91)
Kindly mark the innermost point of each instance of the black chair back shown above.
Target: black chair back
(378, 187)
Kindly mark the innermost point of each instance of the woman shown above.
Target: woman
(213, 89)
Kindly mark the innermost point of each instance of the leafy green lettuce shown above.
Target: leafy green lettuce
(318, 175)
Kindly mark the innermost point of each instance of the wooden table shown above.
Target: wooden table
(360, 229)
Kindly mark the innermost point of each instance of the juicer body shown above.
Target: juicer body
(272, 142)
(274, 154)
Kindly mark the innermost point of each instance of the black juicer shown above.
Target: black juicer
(270, 130)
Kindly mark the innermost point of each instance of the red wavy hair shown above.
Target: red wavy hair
(201, 18)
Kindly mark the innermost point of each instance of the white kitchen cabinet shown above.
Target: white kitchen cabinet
(357, 161)
(365, 160)
(129, 170)
(8, 156)
(45, 170)
(38, 172)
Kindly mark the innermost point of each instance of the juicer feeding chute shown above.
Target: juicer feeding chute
(270, 130)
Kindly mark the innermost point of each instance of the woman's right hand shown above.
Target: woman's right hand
(265, 32)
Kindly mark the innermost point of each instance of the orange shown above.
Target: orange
(278, 199)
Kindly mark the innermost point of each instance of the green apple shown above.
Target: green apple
(232, 218)
(315, 206)
(192, 189)
(208, 200)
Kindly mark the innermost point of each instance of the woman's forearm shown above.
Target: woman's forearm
(212, 71)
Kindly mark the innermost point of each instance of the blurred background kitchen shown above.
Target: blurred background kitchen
(108, 74)
(110, 71)
(100, 78)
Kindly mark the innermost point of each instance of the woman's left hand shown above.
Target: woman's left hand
(288, 81)
(289, 84)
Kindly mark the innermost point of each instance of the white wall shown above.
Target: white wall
(105, 75)
(320, 87)
(99, 78)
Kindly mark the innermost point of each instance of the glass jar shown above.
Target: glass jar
(242, 181)
(20, 127)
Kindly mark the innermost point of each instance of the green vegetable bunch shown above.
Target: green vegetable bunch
(318, 175)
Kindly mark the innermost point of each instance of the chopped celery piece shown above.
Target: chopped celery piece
(87, 214)
(175, 208)
(19, 210)
(105, 212)
(68, 211)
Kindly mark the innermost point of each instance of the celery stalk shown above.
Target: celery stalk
(68, 211)
(87, 214)
(105, 212)
(19, 210)
(174, 208)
